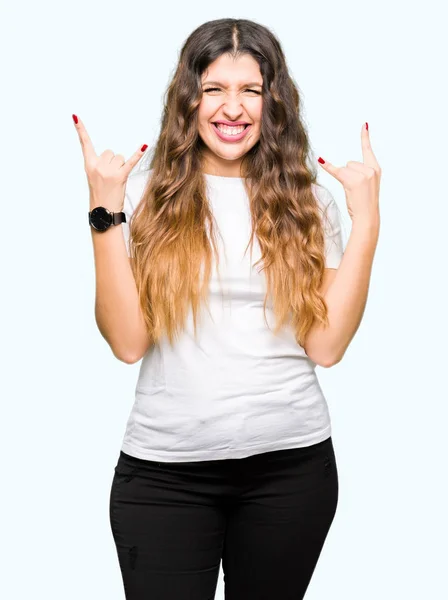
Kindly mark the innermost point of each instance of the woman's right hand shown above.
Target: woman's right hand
(107, 174)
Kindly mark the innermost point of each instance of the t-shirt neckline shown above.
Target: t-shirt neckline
(222, 179)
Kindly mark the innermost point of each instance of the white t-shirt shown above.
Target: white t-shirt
(238, 390)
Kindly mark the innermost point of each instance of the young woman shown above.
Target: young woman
(227, 454)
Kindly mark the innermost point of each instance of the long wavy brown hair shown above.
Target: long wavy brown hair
(172, 229)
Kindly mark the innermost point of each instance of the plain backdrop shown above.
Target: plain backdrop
(65, 398)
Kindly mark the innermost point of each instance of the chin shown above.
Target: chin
(230, 156)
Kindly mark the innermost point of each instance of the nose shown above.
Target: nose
(232, 108)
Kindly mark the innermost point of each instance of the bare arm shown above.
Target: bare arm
(346, 298)
(117, 310)
(346, 294)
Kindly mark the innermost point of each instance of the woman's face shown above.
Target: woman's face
(231, 92)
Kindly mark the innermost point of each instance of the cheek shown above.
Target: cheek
(206, 110)
(254, 111)
(201, 114)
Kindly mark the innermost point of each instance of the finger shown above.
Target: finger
(368, 156)
(86, 143)
(330, 168)
(133, 160)
(119, 159)
(360, 167)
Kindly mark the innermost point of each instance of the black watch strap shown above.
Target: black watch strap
(119, 217)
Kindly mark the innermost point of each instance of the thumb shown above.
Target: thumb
(330, 168)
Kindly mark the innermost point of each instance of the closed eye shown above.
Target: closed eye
(217, 89)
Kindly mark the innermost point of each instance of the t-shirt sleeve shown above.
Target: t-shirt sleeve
(332, 228)
(135, 187)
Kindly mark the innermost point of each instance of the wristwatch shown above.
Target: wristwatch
(101, 218)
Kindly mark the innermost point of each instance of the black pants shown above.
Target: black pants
(265, 516)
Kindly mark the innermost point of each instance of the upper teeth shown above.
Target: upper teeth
(231, 130)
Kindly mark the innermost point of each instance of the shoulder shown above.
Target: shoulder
(135, 186)
(327, 203)
(323, 195)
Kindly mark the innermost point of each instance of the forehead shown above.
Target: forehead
(233, 71)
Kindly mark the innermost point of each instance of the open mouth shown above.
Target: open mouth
(245, 125)
(232, 137)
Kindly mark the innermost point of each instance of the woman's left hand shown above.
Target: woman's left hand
(361, 182)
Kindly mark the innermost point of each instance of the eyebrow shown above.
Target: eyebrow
(243, 85)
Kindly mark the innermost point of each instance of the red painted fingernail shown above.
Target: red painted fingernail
(321, 160)
(143, 148)
(367, 126)
(75, 118)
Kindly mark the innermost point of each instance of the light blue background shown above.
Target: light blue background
(66, 399)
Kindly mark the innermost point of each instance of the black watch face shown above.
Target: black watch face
(101, 218)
